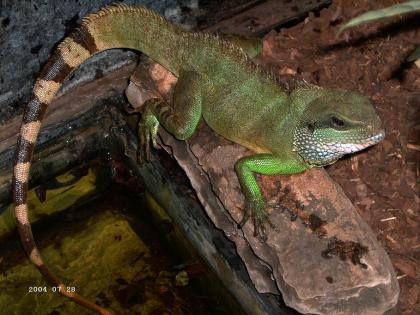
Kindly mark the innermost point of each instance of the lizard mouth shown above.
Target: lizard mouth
(357, 145)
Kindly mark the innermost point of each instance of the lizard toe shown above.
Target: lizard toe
(260, 219)
(147, 132)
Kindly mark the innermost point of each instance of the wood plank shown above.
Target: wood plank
(263, 17)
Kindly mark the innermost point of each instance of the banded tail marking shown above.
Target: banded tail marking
(73, 51)
(89, 38)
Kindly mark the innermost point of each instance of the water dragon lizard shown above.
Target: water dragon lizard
(289, 131)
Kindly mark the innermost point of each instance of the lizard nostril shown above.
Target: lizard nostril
(311, 127)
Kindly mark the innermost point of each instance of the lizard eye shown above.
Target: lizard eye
(337, 123)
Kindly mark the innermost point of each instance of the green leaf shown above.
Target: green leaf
(401, 8)
(414, 55)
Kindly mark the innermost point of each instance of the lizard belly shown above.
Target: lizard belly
(232, 128)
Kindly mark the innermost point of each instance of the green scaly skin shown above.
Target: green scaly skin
(289, 131)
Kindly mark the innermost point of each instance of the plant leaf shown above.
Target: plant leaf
(401, 8)
(415, 54)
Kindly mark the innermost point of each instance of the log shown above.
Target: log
(63, 116)
(260, 19)
(103, 128)
(323, 258)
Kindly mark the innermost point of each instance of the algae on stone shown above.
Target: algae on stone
(90, 261)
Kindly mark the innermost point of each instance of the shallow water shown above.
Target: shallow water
(116, 247)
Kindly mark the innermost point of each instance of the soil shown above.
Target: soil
(383, 181)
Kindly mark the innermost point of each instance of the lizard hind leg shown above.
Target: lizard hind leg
(180, 117)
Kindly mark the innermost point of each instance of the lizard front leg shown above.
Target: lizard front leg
(179, 118)
(266, 164)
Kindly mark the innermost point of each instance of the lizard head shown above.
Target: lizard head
(334, 123)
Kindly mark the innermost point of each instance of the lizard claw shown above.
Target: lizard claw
(260, 218)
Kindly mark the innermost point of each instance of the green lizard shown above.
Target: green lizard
(289, 131)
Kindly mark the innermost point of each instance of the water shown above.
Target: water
(110, 241)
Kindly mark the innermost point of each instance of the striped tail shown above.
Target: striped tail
(81, 44)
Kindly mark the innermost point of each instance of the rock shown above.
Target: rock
(323, 257)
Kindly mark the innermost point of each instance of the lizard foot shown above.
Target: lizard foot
(260, 218)
(147, 132)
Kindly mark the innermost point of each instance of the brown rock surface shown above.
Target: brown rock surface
(323, 257)
(382, 182)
